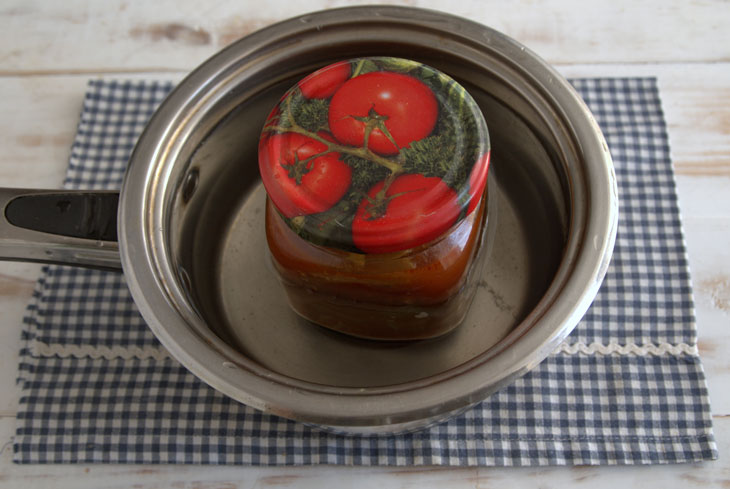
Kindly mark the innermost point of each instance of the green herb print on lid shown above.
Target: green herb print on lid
(374, 155)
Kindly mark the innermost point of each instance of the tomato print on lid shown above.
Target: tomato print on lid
(374, 155)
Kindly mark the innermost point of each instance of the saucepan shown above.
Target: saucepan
(187, 227)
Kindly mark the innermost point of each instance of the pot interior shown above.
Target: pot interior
(219, 248)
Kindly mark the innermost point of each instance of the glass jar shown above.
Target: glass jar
(375, 171)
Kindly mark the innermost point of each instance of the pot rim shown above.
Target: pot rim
(157, 292)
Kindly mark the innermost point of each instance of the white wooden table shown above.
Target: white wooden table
(49, 50)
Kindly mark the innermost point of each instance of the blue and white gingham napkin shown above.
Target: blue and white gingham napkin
(627, 386)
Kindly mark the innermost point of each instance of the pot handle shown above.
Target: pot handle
(77, 227)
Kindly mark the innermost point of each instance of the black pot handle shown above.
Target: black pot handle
(59, 226)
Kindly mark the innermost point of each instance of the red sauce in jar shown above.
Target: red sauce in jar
(418, 293)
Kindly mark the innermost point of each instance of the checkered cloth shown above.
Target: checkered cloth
(627, 387)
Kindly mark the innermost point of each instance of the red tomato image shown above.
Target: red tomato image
(325, 82)
(413, 210)
(391, 109)
(477, 181)
(300, 176)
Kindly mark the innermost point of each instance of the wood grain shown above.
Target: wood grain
(694, 100)
(80, 36)
(37, 138)
(17, 281)
(707, 242)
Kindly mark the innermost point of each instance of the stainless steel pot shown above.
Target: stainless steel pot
(191, 244)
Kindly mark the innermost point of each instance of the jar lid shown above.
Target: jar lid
(374, 155)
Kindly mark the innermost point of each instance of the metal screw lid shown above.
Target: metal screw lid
(375, 155)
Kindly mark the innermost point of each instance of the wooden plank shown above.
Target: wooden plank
(694, 100)
(17, 281)
(38, 123)
(120, 36)
(37, 127)
(707, 242)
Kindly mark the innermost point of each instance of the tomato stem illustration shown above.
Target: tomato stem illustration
(362, 152)
(358, 68)
(285, 121)
(298, 168)
(378, 205)
(375, 121)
